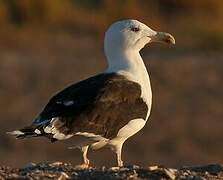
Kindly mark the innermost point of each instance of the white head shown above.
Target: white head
(131, 35)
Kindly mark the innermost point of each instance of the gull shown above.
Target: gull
(108, 108)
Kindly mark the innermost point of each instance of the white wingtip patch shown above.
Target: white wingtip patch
(51, 129)
(48, 129)
(68, 103)
(15, 133)
(37, 131)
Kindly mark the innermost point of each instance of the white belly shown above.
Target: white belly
(128, 130)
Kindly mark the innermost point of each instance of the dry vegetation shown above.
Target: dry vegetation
(46, 45)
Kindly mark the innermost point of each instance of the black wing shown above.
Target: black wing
(75, 98)
(101, 105)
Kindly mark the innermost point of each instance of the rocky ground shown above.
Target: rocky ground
(61, 171)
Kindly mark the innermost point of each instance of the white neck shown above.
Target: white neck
(128, 61)
(130, 64)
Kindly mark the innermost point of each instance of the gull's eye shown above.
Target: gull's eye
(134, 29)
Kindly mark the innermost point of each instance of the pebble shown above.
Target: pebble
(63, 176)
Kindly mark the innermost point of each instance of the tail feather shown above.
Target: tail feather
(27, 132)
(36, 129)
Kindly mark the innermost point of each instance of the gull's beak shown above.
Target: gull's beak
(163, 37)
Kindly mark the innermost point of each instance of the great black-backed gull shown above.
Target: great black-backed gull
(106, 109)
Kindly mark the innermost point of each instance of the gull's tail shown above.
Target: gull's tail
(26, 132)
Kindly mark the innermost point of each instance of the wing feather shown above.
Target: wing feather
(101, 105)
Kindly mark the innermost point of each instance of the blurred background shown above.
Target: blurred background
(46, 45)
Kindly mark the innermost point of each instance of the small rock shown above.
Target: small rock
(153, 168)
(63, 176)
(170, 173)
(74, 174)
(56, 163)
(30, 165)
(114, 168)
(123, 169)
